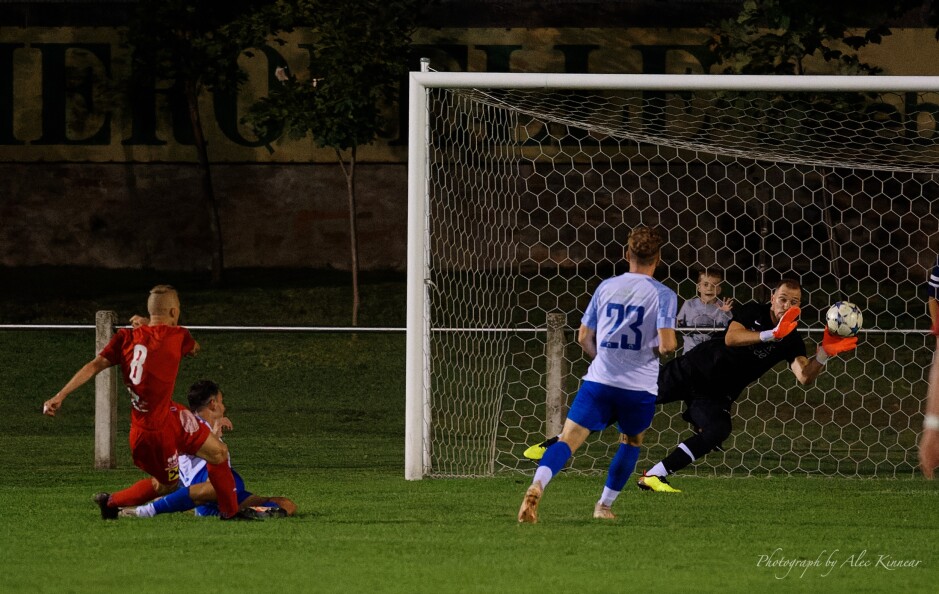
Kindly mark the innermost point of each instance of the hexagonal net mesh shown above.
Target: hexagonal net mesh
(532, 195)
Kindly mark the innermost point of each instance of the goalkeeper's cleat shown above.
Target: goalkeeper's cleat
(528, 512)
(127, 512)
(650, 482)
(107, 513)
(603, 512)
(536, 452)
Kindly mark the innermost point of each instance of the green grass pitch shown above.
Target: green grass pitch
(319, 418)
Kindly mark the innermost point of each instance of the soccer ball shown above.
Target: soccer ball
(844, 319)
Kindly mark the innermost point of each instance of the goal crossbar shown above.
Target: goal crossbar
(670, 82)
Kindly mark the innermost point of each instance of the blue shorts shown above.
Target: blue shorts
(597, 406)
(211, 509)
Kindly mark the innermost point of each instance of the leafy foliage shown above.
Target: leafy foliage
(357, 57)
(196, 45)
(785, 37)
(187, 40)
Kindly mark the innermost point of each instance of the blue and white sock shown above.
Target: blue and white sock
(621, 467)
(145, 511)
(554, 459)
(177, 501)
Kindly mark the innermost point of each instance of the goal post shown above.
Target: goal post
(105, 396)
(521, 188)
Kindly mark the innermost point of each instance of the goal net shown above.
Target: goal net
(523, 189)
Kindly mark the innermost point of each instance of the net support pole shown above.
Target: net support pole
(105, 395)
(417, 372)
(555, 372)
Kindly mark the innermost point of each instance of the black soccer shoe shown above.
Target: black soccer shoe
(107, 513)
(246, 514)
(268, 513)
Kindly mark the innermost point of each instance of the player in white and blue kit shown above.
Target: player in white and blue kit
(628, 324)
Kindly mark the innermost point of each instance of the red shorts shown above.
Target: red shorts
(156, 452)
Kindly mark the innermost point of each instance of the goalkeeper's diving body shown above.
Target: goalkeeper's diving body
(712, 375)
(629, 322)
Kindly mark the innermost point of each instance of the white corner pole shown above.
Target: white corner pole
(415, 423)
(105, 395)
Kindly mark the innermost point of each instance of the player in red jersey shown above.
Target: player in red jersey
(149, 355)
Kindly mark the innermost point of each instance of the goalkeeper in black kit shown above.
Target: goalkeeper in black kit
(712, 375)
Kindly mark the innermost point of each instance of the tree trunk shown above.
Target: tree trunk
(208, 192)
(353, 230)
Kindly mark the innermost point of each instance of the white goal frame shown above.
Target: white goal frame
(417, 422)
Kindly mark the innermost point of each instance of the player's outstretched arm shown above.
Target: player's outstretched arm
(807, 370)
(138, 321)
(221, 425)
(285, 504)
(88, 371)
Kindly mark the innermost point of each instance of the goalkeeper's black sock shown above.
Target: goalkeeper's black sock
(678, 459)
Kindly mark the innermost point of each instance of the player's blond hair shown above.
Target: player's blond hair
(162, 299)
(645, 243)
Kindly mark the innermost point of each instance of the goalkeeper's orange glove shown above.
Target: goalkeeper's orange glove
(833, 345)
(787, 323)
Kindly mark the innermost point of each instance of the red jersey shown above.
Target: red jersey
(149, 357)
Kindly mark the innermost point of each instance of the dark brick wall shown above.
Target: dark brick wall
(133, 216)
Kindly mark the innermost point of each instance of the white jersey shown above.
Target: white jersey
(626, 312)
(190, 466)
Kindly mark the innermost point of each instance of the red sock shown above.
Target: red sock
(140, 492)
(225, 491)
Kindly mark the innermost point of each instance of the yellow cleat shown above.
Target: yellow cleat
(536, 452)
(655, 483)
(603, 512)
(528, 512)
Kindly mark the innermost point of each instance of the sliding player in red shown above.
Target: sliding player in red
(149, 356)
(208, 403)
